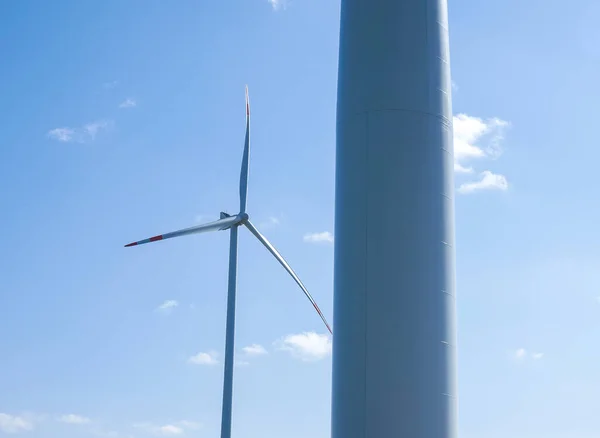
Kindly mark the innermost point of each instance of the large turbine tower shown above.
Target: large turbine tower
(394, 350)
(231, 223)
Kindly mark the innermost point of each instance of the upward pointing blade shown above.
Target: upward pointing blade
(245, 158)
(221, 224)
(287, 267)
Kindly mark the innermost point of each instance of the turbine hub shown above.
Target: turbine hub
(243, 217)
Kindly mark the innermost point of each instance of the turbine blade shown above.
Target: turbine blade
(221, 224)
(245, 158)
(287, 267)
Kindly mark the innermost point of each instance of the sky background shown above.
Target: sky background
(125, 119)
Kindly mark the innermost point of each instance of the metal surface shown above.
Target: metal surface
(245, 159)
(221, 224)
(229, 337)
(394, 350)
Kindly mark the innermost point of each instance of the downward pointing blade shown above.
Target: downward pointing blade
(287, 267)
(245, 158)
(221, 224)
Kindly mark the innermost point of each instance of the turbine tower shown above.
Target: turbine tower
(229, 222)
(394, 350)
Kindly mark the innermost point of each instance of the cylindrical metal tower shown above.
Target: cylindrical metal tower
(394, 346)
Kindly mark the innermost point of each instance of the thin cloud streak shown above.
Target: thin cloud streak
(73, 419)
(487, 181)
(167, 306)
(83, 134)
(14, 423)
(204, 358)
(306, 346)
(128, 103)
(254, 350)
(324, 236)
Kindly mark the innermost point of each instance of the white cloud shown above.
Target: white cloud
(14, 424)
(91, 129)
(170, 429)
(128, 103)
(209, 358)
(521, 354)
(79, 135)
(470, 131)
(324, 236)
(167, 429)
(241, 363)
(167, 306)
(488, 181)
(254, 350)
(186, 424)
(307, 346)
(61, 134)
(278, 4)
(73, 419)
(271, 221)
(459, 168)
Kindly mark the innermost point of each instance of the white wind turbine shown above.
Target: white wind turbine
(229, 222)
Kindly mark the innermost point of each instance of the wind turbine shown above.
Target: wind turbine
(230, 222)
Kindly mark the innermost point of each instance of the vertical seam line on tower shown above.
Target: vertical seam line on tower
(427, 45)
(366, 268)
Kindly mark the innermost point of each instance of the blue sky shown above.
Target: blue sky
(122, 120)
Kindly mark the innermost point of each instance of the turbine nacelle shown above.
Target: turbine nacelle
(242, 218)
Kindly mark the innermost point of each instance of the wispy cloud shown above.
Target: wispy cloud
(321, 237)
(73, 419)
(91, 129)
(307, 346)
(522, 354)
(186, 424)
(167, 306)
(82, 134)
(14, 423)
(487, 181)
(62, 134)
(128, 103)
(169, 429)
(278, 4)
(271, 221)
(254, 350)
(204, 358)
